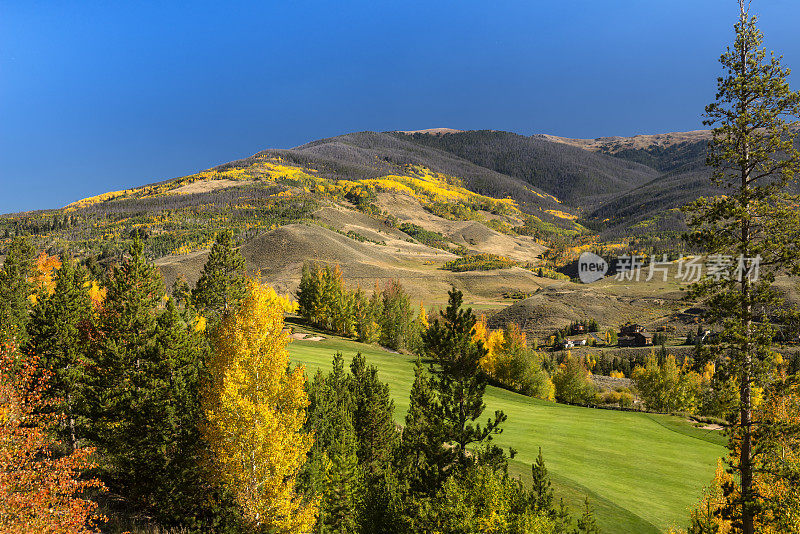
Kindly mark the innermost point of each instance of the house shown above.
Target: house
(568, 344)
(634, 335)
(630, 329)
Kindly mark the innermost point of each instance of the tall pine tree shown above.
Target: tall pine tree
(459, 382)
(222, 282)
(755, 225)
(373, 417)
(15, 290)
(421, 449)
(58, 335)
(144, 395)
(168, 418)
(341, 496)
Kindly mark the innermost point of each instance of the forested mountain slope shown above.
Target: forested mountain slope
(576, 176)
(502, 183)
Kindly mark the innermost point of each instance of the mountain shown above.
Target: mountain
(397, 204)
(416, 206)
(365, 155)
(578, 177)
(621, 186)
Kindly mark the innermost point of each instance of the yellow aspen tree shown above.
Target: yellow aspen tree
(256, 407)
(423, 316)
(492, 341)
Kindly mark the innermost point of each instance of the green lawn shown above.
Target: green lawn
(641, 472)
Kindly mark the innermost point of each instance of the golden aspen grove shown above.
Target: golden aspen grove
(256, 409)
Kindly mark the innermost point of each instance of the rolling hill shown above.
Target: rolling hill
(401, 205)
(578, 177)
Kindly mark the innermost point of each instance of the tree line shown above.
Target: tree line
(185, 411)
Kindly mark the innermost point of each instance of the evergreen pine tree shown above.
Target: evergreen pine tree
(563, 518)
(328, 471)
(181, 292)
(383, 506)
(459, 382)
(372, 417)
(422, 438)
(340, 499)
(129, 402)
(378, 438)
(58, 335)
(222, 282)
(756, 222)
(586, 522)
(541, 490)
(15, 290)
(169, 416)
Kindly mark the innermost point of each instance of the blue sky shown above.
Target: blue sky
(100, 96)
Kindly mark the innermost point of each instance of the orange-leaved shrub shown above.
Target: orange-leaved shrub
(41, 491)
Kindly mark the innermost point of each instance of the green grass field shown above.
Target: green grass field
(641, 472)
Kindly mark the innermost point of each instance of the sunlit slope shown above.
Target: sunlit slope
(272, 189)
(368, 251)
(641, 476)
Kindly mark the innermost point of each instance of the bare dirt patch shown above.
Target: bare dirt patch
(206, 186)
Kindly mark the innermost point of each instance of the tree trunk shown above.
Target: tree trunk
(745, 458)
(71, 417)
(745, 415)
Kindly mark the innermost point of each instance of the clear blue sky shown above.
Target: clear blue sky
(100, 96)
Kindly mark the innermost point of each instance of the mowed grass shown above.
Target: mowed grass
(641, 472)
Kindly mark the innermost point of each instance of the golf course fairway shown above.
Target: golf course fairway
(642, 472)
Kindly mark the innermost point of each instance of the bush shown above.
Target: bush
(573, 383)
(479, 262)
(622, 398)
(666, 387)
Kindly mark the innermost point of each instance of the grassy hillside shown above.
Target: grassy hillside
(370, 251)
(640, 471)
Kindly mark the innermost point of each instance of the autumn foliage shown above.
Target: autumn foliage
(40, 491)
(256, 407)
